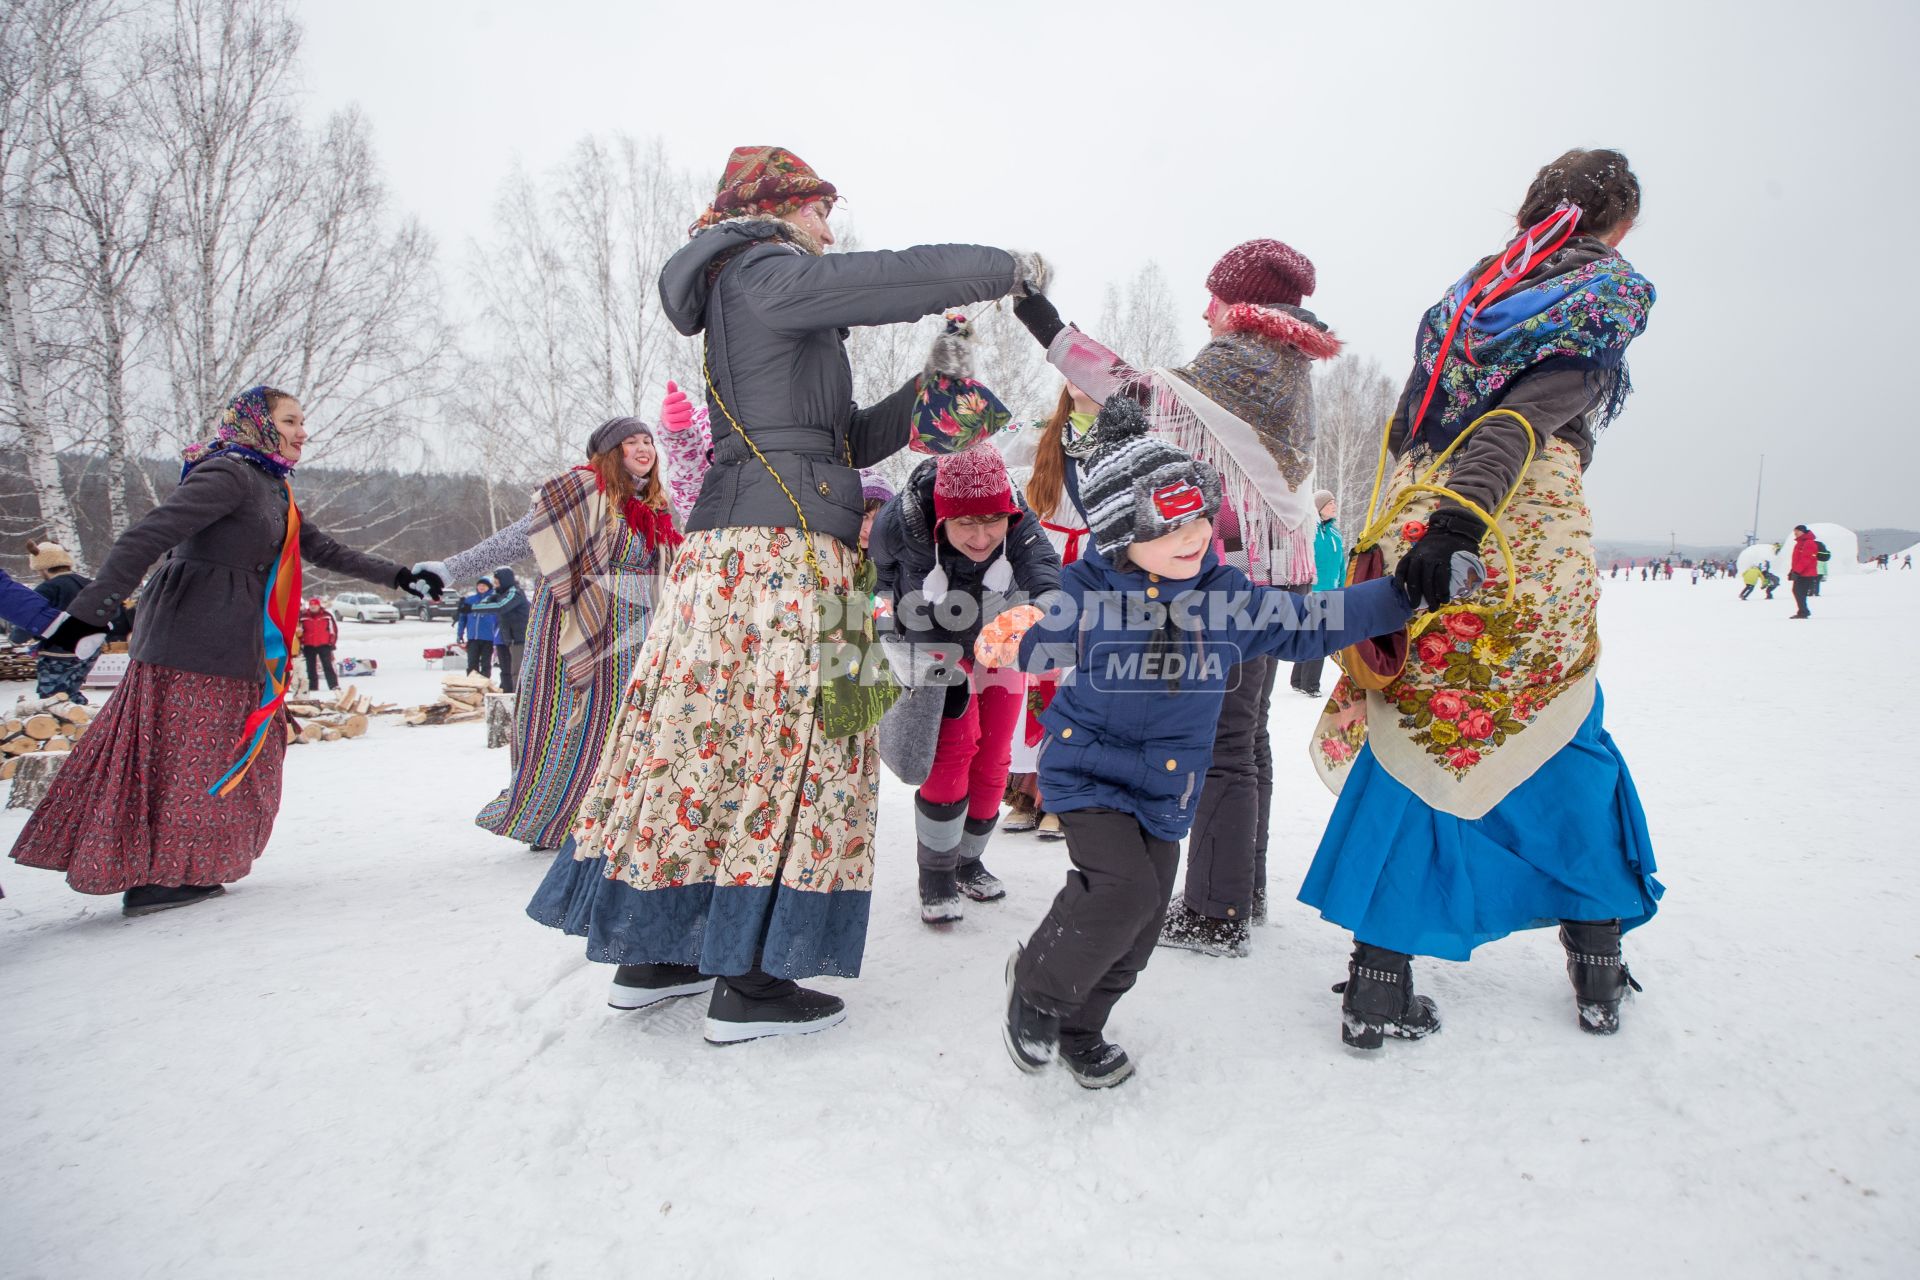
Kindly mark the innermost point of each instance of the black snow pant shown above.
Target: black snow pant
(1306, 676)
(1746, 590)
(509, 655)
(1102, 927)
(480, 658)
(322, 655)
(1227, 852)
(1802, 588)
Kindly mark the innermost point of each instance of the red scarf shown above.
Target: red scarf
(655, 524)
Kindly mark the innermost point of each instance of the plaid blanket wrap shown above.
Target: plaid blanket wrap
(575, 543)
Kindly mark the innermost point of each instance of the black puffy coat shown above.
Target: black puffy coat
(903, 546)
(774, 317)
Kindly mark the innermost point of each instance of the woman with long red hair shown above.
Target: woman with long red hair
(598, 533)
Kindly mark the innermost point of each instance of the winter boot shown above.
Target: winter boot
(1600, 976)
(1050, 828)
(1378, 1000)
(1031, 1036)
(636, 986)
(145, 899)
(1021, 815)
(1188, 930)
(1258, 914)
(939, 829)
(976, 881)
(1099, 1065)
(788, 1009)
(940, 898)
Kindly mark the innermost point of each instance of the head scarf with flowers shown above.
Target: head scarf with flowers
(769, 181)
(245, 431)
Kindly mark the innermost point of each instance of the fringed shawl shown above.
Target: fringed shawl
(576, 548)
(1244, 405)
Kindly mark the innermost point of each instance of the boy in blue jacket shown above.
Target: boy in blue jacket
(1156, 623)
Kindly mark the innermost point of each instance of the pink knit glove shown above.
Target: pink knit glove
(999, 642)
(676, 411)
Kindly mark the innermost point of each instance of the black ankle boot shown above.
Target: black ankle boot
(1600, 977)
(145, 899)
(1378, 1001)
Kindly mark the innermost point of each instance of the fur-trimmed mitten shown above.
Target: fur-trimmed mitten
(1031, 274)
(952, 350)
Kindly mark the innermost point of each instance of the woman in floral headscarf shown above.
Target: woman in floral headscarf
(172, 793)
(1479, 790)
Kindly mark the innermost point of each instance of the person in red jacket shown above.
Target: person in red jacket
(1805, 569)
(319, 631)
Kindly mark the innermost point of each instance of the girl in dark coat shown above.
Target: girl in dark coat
(173, 792)
(950, 550)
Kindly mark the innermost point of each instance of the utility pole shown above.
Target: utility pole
(1754, 536)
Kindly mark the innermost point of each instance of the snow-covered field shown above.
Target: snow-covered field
(366, 1061)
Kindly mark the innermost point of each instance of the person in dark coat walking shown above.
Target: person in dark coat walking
(173, 792)
(477, 631)
(950, 550)
(1156, 623)
(319, 633)
(1804, 570)
(508, 608)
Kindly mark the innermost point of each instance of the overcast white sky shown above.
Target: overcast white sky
(1389, 142)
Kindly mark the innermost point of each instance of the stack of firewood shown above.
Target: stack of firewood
(37, 725)
(344, 717)
(462, 697)
(16, 663)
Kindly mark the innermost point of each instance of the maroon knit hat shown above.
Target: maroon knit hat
(1263, 272)
(972, 482)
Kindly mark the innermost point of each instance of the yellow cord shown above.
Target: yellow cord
(1377, 527)
(806, 533)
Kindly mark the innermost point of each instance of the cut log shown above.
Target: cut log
(8, 766)
(57, 744)
(460, 717)
(74, 713)
(34, 706)
(499, 720)
(42, 726)
(19, 746)
(293, 734)
(32, 775)
(302, 710)
(8, 728)
(353, 726)
(310, 732)
(329, 734)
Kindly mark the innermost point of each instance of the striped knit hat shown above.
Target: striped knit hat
(1139, 487)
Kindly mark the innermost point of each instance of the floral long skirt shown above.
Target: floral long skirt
(130, 806)
(723, 828)
(1480, 792)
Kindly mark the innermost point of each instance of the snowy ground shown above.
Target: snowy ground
(366, 1061)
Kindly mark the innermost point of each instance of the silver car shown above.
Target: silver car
(363, 606)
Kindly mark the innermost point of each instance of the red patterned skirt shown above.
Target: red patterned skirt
(131, 805)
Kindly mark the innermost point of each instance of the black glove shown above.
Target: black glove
(1429, 574)
(66, 632)
(1041, 318)
(420, 583)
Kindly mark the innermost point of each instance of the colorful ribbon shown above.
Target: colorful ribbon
(280, 614)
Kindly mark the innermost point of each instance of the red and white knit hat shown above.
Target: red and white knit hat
(972, 482)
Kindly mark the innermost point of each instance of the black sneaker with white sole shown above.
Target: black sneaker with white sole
(636, 986)
(1100, 1065)
(733, 1017)
(1031, 1036)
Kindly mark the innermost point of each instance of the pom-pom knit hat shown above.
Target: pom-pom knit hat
(1263, 272)
(769, 180)
(972, 482)
(1139, 487)
(874, 487)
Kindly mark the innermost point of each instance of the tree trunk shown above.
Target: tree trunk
(27, 386)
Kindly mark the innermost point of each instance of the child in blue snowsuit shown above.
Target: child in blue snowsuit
(1157, 623)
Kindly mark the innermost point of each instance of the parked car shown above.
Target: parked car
(363, 606)
(429, 610)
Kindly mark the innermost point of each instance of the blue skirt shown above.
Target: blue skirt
(1569, 843)
(722, 928)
